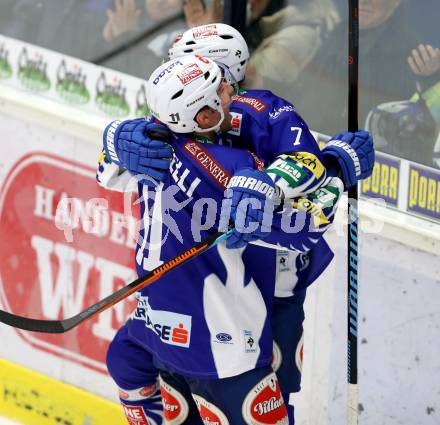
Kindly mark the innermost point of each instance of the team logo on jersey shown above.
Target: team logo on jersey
(277, 112)
(264, 404)
(210, 414)
(205, 31)
(135, 415)
(175, 407)
(172, 328)
(189, 73)
(236, 123)
(277, 357)
(255, 104)
(299, 353)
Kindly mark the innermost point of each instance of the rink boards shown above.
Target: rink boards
(49, 270)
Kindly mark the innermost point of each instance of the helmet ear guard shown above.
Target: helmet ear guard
(180, 88)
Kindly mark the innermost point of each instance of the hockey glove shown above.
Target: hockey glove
(354, 153)
(135, 145)
(252, 194)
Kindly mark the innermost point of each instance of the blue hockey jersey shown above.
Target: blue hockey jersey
(210, 318)
(268, 125)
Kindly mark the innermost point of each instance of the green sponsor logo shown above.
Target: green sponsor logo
(71, 84)
(292, 173)
(5, 67)
(141, 103)
(111, 98)
(32, 72)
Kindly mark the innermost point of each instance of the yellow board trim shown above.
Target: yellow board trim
(31, 398)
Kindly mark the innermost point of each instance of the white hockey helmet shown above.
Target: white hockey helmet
(219, 42)
(180, 88)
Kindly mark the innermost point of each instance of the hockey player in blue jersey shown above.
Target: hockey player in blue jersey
(255, 112)
(190, 321)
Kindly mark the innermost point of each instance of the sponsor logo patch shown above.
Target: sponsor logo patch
(189, 73)
(223, 338)
(175, 407)
(135, 415)
(255, 104)
(206, 161)
(172, 328)
(210, 414)
(236, 123)
(250, 345)
(308, 160)
(165, 71)
(205, 31)
(264, 404)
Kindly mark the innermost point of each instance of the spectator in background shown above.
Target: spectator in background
(386, 40)
(71, 27)
(199, 12)
(287, 40)
(282, 35)
(410, 128)
(126, 21)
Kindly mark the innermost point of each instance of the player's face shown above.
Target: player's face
(375, 12)
(225, 92)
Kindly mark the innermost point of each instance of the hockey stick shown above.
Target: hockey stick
(353, 216)
(60, 326)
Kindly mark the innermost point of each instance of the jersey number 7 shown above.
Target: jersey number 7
(298, 131)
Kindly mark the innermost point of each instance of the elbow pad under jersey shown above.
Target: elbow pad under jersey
(297, 174)
(113, 177)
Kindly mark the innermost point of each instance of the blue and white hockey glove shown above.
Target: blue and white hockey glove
(252, 194)
(139, 146)
(354, 153)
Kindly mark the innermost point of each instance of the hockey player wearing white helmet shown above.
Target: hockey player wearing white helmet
(208, 325)
(219, 42)
(259, 127)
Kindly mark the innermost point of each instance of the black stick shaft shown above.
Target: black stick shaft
(353, 216)
(61, 326)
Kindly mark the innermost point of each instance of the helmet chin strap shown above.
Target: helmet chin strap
(215, 128)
